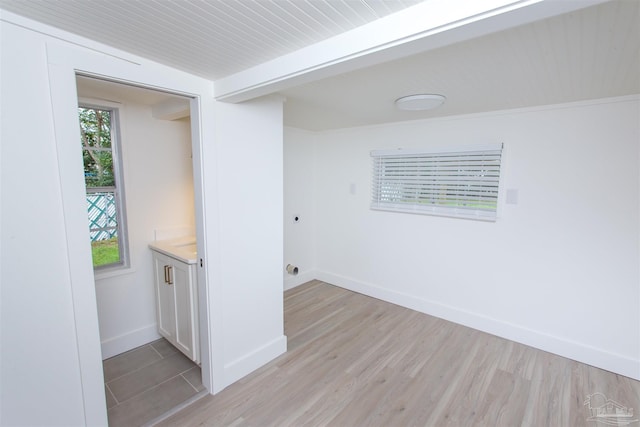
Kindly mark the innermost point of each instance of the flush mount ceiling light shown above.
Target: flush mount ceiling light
(419, 102)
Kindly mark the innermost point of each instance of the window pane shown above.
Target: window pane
(98, 168)
(105, 252)
(462, 182)
(101, 186)
(96, 127)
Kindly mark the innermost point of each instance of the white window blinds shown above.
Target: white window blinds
(453, 182)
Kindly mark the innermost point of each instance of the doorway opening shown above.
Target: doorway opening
(155, 166)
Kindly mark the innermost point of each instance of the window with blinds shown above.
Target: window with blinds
(461, 183)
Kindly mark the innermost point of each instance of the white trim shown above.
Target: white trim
(81, 277)
(445, 212)
(64, 63)
(115, 272)
(210, 303)
(456, 181)
(291, 282)
(118, 188)
(171, 412)
(253, 360)
(570, 349)
(116, 345)
(99, 103)
(443, 149)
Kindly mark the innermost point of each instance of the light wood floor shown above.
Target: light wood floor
(358, 361)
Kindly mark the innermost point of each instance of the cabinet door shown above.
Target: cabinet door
(165, 300)
(184, 300)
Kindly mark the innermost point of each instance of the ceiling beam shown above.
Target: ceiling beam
(425, 26)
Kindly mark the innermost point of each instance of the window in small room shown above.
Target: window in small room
(461, 183)
(103, 182)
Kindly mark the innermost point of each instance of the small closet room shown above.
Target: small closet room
(137, 149)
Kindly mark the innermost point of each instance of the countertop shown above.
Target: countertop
(183, 248)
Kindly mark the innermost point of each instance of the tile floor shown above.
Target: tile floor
(144, 383)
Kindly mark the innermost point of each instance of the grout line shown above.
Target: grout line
(154, 387)
(144, 366)
(154, 349)
(189, 382)
(112, 395)
(137, 369)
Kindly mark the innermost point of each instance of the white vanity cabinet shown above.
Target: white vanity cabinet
(177, 302)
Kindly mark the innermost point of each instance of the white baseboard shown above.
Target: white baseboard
(114, 346)
(600, 358)
(250, 362)
(291, 282)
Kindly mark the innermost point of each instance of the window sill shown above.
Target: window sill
(107, 274)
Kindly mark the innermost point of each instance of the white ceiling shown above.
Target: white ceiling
(590, 53)
(210, 38)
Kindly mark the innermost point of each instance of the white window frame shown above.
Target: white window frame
(459, 182)
(123, 235)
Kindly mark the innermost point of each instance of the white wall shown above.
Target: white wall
(251, 198)
(158, 183)
(51, 372)
(299, 200)
(38, 334)
(559, 270)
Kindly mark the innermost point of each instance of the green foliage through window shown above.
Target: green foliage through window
(97, 154)
(97, 141)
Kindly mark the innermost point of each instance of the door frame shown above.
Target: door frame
(65, 62)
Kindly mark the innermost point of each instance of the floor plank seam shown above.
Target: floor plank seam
(177, 408)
